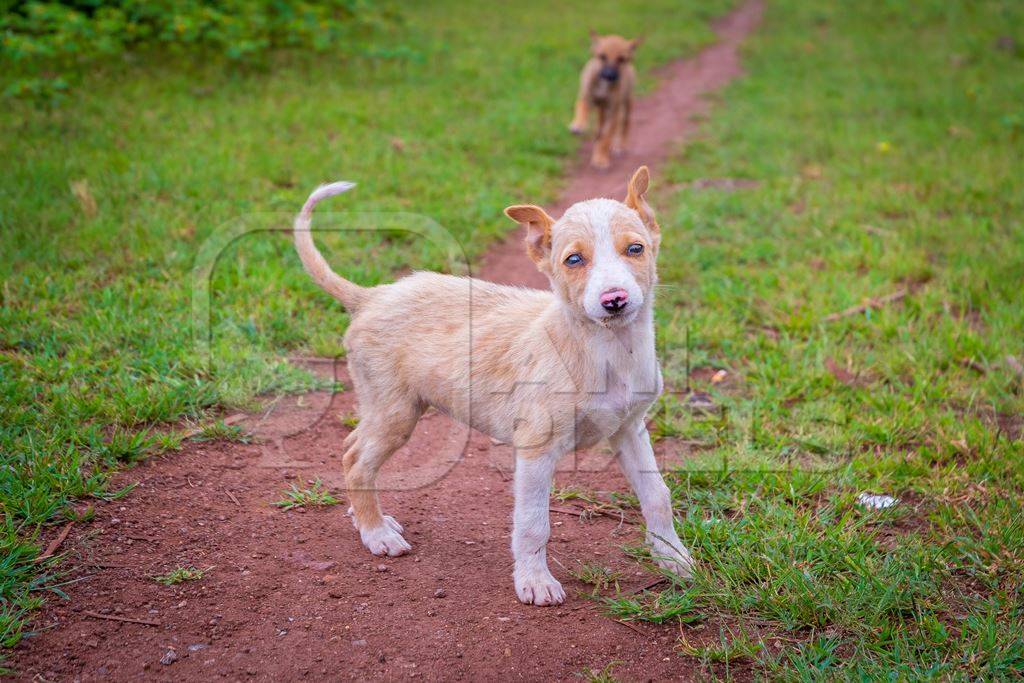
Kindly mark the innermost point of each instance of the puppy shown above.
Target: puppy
(545, 371)
(606, 83)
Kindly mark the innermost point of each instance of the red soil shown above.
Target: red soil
(294, 594)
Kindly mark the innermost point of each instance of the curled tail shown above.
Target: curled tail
(348, 293)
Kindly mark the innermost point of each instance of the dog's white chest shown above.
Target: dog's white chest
(621, 399)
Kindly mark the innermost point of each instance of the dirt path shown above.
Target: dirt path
(294, 594)
(659, 126)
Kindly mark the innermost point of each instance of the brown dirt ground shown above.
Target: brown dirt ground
(294, 594)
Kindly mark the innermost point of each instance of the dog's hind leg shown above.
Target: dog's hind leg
(377, 437)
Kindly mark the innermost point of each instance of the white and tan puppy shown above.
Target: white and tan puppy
(547, 372)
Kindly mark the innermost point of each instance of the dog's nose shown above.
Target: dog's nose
(614, 300)
(610, 73)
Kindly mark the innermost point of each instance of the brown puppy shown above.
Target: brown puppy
(606, 83)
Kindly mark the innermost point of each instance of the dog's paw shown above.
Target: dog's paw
(674, 560)
(539, 588)
(388, 519)
(385, 539)
(393, 523)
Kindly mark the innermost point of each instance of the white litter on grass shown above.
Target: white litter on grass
(874, 501)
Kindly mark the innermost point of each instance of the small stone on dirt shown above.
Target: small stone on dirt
(321, 566)
(382, 567)
(170, 657)
(336, 593)
(359, 643)
(196, 647)
(440, 593)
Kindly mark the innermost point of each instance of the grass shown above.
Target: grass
(142, 282)
(350, 420)
(315, 495)
(601, 578)
(221, 431)
(728, 649)
(602, 675)
(884, 143)
(180, 575)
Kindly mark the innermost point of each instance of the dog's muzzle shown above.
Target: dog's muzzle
(610, 74)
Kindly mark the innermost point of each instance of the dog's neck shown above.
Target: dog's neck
(587, 334)
(598, 357)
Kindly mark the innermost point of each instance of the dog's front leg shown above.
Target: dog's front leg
(580, 111)
(531, 527)
(632, 446)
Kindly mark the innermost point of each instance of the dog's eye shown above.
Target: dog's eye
(573, 260)
(622, 60)
(635, 249)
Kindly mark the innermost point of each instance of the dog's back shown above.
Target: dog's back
(458, 337)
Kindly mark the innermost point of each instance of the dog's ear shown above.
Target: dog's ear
(538, 229)
(634, 44)
(636, 199)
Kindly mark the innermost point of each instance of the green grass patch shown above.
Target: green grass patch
(314, 495)
(221, 431)
(597, 576)
(181, 575)
(880, 145)
(603, 675)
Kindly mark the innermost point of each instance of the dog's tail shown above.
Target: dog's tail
(348, 293)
